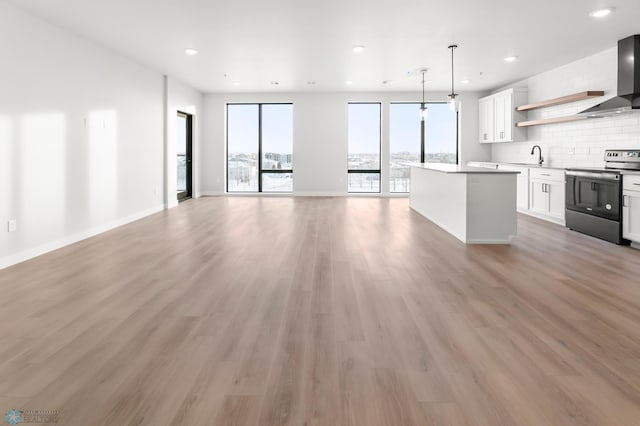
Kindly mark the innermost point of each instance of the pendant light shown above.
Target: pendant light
(453, 104)
(423, 106)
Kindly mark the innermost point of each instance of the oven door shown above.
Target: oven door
(594, 193)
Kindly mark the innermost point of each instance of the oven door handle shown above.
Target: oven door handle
(595, 175)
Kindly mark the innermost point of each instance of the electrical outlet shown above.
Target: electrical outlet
(12, 225)
(571, 151)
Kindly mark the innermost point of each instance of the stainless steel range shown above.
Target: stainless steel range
(594, 196)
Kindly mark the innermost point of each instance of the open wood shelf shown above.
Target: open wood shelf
(564, 119)
(562, 100)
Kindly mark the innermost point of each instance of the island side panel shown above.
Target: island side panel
(491, 207)
(441, 198)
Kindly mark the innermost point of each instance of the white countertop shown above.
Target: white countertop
(458, 168)
(533, 166)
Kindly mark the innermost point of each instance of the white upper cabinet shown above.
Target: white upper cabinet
(485, 122)
(498, 117)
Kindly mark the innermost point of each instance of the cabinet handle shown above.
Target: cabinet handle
(544, 187)
(545, 174)
(637, 184)
(625, 202)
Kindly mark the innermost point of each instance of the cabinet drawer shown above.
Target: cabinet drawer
(631, 182)
(547, 174)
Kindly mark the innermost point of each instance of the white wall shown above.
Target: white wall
(81, 136)
(320, 136)
(588, 138)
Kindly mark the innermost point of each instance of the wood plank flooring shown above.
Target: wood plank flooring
(322, 311)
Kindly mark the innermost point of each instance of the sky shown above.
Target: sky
(277, 128)
(404, 128)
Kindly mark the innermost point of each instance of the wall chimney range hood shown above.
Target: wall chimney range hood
(628, 98)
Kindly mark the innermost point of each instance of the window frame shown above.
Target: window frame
(423, 151)
(367, 171)
(260, 151)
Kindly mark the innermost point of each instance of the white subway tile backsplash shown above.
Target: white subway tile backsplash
(588, 138)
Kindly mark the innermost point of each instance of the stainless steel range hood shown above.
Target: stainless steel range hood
(628, 98)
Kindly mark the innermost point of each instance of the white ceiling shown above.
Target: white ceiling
(255, 42)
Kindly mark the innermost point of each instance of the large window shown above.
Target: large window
(405, 142)
(259, 147)
(364, 147)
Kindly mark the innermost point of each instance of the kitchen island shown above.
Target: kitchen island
(476, 205)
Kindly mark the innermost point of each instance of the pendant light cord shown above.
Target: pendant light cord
(423, 88)
(453, 93)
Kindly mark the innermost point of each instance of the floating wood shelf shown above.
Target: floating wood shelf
(562, 100)
(564, 119)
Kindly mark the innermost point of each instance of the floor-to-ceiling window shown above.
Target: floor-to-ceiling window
(405, 142)
(259, 147)
(364, 147)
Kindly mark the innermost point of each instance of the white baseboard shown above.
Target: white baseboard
(300, 194)
(319, 194)
(65, 241)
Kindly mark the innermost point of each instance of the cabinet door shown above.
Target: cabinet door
(508, 109)
(631, 216)
(500, 118)
(538, 197)
(485, 124)
(523, 193)
(555, 192)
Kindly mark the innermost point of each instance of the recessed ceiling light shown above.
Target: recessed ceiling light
(191, 51)
(465, 81)
(236, 83)
(275, 83)
(357, 49)
(601, 13)
(510, 58)
(348, 82)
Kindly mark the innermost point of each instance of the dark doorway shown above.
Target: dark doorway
(184, 138)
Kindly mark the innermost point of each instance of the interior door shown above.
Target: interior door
(184, 144)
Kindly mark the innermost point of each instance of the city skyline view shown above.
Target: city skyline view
(272, 125)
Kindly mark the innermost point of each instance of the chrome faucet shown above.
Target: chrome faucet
(540, 157)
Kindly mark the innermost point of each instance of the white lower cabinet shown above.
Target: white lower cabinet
(547, 199)
(538, 198)
(631, 208)
(522, 185)
(540, 191)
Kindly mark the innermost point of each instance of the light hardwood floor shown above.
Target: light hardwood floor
(322, 311)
